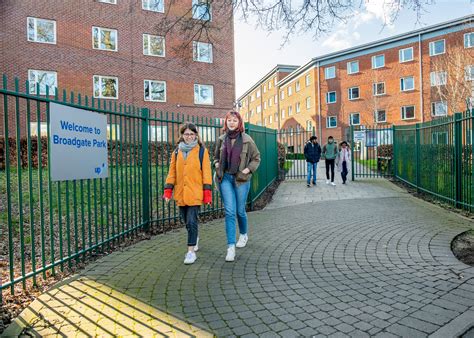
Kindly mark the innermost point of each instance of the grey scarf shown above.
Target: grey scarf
(186, 148)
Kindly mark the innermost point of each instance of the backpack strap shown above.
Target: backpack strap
(201, 154)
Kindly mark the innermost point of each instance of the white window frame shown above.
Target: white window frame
(113, 131)
(351, 119)
(252, 98)
(264, 88)
(270, 101)
(275, 98)
(436, 77)
(112, 2)
(401, 55)
(32, 89)
(158, 133)
(146, 3)
(34, 129)
(374, 89)
(290, 90)
(376, 116)
(149, 86)
(435, 104)
(308, 80)
(198, 86)
(328, 94)
(330, 72)
(297, 86)
(469, 40)
(35, 29)
(270, 119)
(298, 107)
(197, 3)
(432, 47)
(290, 110)
(403, 112)
(403, 84)
(269, 85)
(469, 71)
(264, 105)
(258, 93)
(374, 61)
(308, 102)
(259, 109)
(149, 37)
(328, 124)
(349, 69)
(282, 113)
(282, 94)
(351, 98)
(101, 77)
(100, 36)
(197, 52)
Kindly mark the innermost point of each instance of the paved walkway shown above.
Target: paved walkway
(360, 260)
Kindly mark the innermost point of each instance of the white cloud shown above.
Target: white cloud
(382, 10)
(341, 38)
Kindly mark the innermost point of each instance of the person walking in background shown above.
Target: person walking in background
(190, 178)
(343, 161)
(330, 154)
(236, 157)
(312, 154)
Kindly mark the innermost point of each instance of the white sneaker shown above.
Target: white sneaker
(242, 242)
(333, 184)
(196, 247)
(230, 254)
(327, 181)
(190, 258)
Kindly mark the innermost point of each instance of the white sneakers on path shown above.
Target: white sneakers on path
(242, 242)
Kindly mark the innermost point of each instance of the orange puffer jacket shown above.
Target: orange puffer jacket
(187, 179)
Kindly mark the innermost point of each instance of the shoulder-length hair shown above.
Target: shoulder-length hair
(193, 128)
(240, 127)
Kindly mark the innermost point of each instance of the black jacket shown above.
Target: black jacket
(312, 152)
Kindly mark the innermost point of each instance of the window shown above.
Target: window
(251, 112)
(275, 81)
(153, 45)
(259, 93)
(380, 116)
(330, 72)
(298, 107)
(309, 125)
(275, 98)
(45, 79)
(153, 5)
(114, 2)
(158, 133)
(438, 78)
(270, 119)
(355, 119)
(308, 102)
(469, 40)
(437, 47)
(105, 87)
(283, 114)
(270, 102)
(43, 129)
(265, 88)
(264, 104)
(405, 55)
(207, 134)
(439, 108)
(353, 67)
(408, 112)
(282, 95)
(252, 98)
(470, 73)
(379, 88)
(331, 97)
(307, 80)
(331, 122)
(354, 93)
(407, 83)
(378, 61)
(290, 90)
(439, 137)
(297, 86)
(113, 131)
(201, 10)
(155, 91)
(41, 30)
(259, 109)
(276, 117)
(290, 110)
(202, 52)
(269, 85)
(203, 94)
(104, 38)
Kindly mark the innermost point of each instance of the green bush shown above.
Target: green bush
(295, 156)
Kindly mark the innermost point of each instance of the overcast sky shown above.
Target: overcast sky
(257, 52)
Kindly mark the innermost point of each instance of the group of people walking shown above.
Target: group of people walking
(333, 156)
(189, 180)
(236, 157)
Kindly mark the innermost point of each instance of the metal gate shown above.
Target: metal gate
(291, 153)
(372, 151)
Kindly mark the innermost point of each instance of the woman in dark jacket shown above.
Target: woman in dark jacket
(236, 157)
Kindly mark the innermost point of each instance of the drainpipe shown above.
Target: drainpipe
(277, 88)
(319, 107)
(421, 79)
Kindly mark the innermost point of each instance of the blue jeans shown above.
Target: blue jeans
(311, 167)
(234, 198)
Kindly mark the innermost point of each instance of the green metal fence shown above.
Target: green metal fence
(47, 226)
(436, 157)
(295, 166)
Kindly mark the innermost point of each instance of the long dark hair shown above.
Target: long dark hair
(193, 128)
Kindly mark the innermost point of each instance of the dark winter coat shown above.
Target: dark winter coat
(312, 152)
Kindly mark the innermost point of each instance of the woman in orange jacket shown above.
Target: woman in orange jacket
(191, 179)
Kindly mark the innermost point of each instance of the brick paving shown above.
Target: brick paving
(360, 260)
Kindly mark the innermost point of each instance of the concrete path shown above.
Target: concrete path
(360, 260)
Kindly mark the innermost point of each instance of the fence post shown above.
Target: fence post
(458, 157)
(145, 178)
(352, 152)
(394, 151)
(417, 157)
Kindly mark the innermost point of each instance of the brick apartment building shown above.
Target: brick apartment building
(405, 79)
(118, 50)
